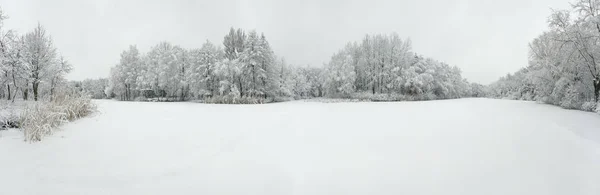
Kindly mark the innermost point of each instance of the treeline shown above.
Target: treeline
(384, 67)
(30, 66)
(246, 70)
(95, 88)
(564, 67)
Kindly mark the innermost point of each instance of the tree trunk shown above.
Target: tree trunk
(181, 98)
(26, 93)
(241, 86)
(373, 87)
(15, 85)
(35, 90)
(52, 90)
(15, 94)
(253, 82)
(8, 88)
(597, 89)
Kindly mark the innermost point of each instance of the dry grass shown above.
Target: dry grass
(42, 118)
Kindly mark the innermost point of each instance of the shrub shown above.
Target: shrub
(75, 106)
(429, 96)
(140, 99)
(378, 97)
(383, 97)
(570, 104)
(589, 106)
(388, 97)
(280, 99)
(9, 119)
(38, 120)
(41, 118)
(341, 96)
(148, 93)
(231, 99)
(332, 100)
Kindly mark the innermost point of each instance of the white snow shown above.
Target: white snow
(450, 147)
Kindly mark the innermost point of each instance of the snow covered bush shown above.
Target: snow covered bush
(380, 97)
(589, 106)
(10, 112)
(358, 96)
(230, 99)
(9, 119)
(38, 120)
(41, 118)
(280, 99)
(141, 99)
(75, 106)
(334, 100)
(383, 97)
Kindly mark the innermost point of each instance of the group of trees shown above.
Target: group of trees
(30, 67)
(95, 88)
(564, 62)
(385, 64)
(245, 67)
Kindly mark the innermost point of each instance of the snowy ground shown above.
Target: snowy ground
(451, 147)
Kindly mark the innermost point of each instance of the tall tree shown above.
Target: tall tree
(583, 34)
(5, 67)
(234, 43)
(15, 70)
(57, 74)
(182, 63)
(209, 57)
(39, 55)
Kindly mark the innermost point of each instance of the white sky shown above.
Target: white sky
(485, 38)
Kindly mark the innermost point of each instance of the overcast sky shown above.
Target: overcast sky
(485, 38)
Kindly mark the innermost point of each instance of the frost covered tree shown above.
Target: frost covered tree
(205, 62)
(95, 87)
(244, 68)
(57, 74)
(385, 66)
(563, 65)
(341, 74)
(229, 75)
(252, 66)
(182, 66)
(124, 77)
(4, 68)
(13, 66)
(315, 81)
(30, 63)
(7, 63)
(161, 70)
(39, 55)
(234, 43)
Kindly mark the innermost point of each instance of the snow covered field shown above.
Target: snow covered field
(466, 146)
